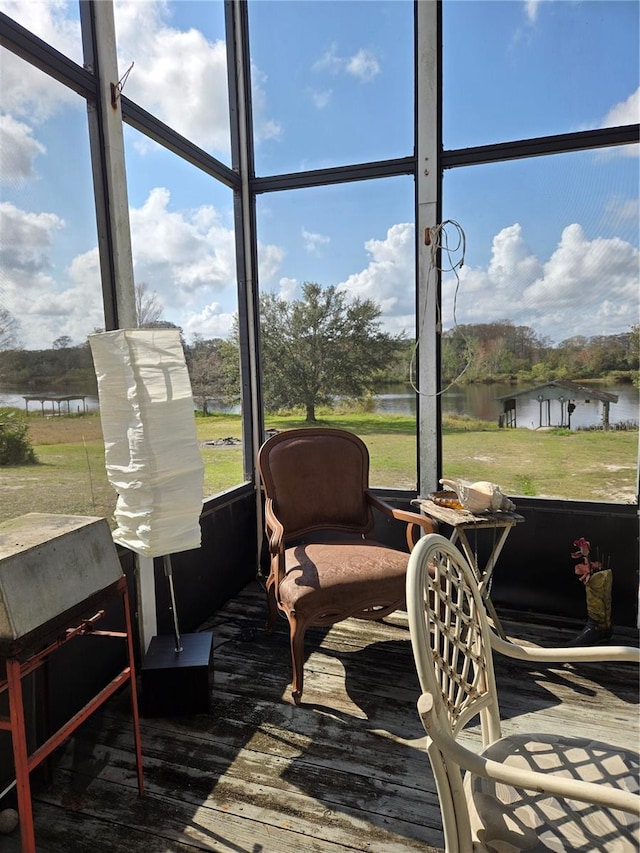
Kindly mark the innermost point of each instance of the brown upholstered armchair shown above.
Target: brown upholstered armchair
(318, 512)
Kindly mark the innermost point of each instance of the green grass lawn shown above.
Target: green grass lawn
(592, 465)
(589, 465)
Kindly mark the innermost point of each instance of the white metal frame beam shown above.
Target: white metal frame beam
(112, 210)
(428, 212)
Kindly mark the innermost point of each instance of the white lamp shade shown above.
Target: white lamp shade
(152, 456)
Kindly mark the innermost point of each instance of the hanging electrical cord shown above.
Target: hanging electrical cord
(439, 241)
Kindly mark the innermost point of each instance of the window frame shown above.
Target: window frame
(427, 164)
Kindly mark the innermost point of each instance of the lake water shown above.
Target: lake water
(480, 401)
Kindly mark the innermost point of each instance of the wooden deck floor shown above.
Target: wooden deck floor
(345, 771)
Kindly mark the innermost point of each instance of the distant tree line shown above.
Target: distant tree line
(494, 352)
(63, 369)
(322, 346)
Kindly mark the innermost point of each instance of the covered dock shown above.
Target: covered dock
(56, 402)
(559, 394)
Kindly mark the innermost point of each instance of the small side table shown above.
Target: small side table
(461, 520)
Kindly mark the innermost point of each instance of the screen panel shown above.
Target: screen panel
(326, 254)
(50, 299)
(183, 245)
(339, 87)
(516, 70)
(172, 59)
(541, 326)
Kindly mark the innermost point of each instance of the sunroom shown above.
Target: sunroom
(469, 171)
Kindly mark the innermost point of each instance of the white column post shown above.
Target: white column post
(427, 184)
(114, 163)
(118, 213)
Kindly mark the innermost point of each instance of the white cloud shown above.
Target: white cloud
(389, 278)
(329, 61)
(267, 129)
(269, 261)
(263, 126)
(179, 75)
(585, 275)
(210, 322)
(586, 287)
(626, 112)
(618, 209)
(522, 33)
(363, 65)
(510, 258)
(314, 242)
(181, 254)
(531, 8)
(26, 239)
(47, 302)
(49, 20)
(85, 268)
(321, 99)
(75, 311)
(19, 150)
(29, 94)
(186, 257)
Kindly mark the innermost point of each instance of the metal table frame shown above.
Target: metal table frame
(21, 659)
(461, 521)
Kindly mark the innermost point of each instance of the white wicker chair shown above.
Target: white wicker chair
(523, 792)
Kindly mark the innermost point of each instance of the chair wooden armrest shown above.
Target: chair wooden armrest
(413, 520)
(275, 537)
(580, 654)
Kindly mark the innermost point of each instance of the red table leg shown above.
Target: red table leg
(20, 756)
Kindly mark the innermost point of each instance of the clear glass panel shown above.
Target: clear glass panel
(50, 296)
(548, 293)
(337, 89)
(179, 72)
(183, 243)
(56, 23)
(359, 240)
(515, 70)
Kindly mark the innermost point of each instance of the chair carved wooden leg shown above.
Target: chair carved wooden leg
(272, 605)
(297, 632)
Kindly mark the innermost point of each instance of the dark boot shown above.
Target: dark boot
(591, 635)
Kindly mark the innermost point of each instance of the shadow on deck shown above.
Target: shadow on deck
(344, 771)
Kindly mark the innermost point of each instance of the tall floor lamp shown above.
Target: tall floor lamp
(152, 456)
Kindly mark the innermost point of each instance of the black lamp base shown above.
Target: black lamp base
(176, 683)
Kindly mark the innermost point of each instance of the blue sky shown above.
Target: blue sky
(551, 243)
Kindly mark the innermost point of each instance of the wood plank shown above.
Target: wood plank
(246, 793)
(326, 742)
(62, 830)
